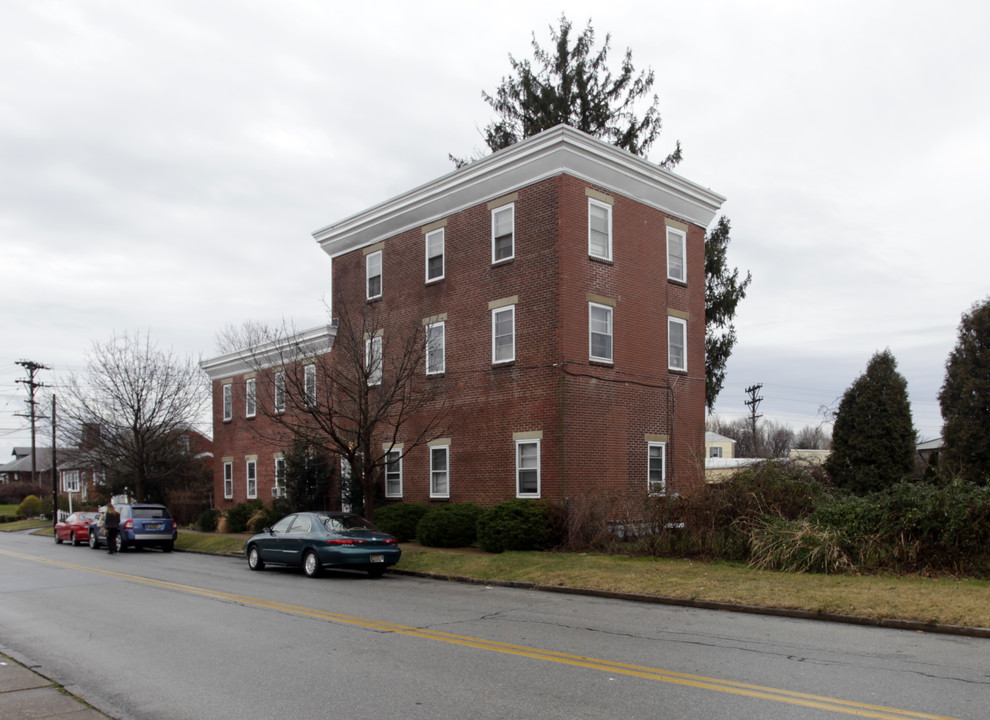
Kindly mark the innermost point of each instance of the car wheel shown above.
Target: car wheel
(94, 542)
(168, 547)
(74, 540)
(254, 558)
(119, 541)
(311, 564)
(376, 572)
(58, 540)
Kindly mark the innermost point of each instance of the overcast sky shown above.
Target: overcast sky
(163, 165)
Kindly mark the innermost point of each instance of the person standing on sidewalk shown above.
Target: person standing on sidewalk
(111, 520)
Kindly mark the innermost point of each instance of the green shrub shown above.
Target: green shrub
(454, 525)
(207, 521)
(513, 525)
(29, 507)
(239, 515)
(401, 519)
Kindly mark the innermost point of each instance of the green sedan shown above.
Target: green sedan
(318, 540)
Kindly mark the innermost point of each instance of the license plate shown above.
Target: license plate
(154, 526)
(378, 558)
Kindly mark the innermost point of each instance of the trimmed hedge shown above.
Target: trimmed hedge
(401, 519)
(513, 525)
(454, 525)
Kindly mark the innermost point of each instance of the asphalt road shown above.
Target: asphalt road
(151, 635)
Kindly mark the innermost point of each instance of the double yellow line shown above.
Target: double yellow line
(818, 702)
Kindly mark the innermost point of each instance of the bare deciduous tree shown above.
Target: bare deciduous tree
(129, 410)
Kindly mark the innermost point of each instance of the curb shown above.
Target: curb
(889, 623)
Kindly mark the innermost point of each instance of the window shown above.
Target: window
(676, 344)
(504, 334)
(228, 402)
(250, 398)
(435, 351)
(527, 468)
(503, 233)
(434, 255)
(280, 391)
(373, 271)
(252, 479)
(228, 479)
(393, 474)
(599, 230)
(309, 380)
(440, 471)
(70, 481)
(600, 329)
(676, 254)
(279, 489)
(373, 359)
(715, 451)
(656, 480)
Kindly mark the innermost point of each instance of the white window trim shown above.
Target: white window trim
(251, 467)
(663, 468)
(443, 254)
(519, 468)
(680, 238)
(227, 395)
(671, 321)
(70, 481)
(373, 359)
(443, 348)
(279, 394)
(611, 332)
(608, 214)
(446, 450)
(495, 312)
(368, 276)
(398, 461)
(228, 480)
(309, 384)
(250, 397)
(510, 208)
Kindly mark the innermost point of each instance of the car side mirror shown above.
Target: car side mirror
(267, 530)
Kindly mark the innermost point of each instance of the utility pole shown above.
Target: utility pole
(754, 402)
(32, 369)
(54, 475)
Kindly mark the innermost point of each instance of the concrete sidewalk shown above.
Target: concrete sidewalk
(26, 695)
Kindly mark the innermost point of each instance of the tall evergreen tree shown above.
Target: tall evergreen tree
(572, 84)
(873, 440)
(965, 399)
(723, 291)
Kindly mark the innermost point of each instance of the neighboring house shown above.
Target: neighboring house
(926, 462)
(561, 282)
(719, 446)
(19, 469)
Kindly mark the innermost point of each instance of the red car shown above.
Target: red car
(75, 528)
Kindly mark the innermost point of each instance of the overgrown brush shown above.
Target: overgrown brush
(798, 546)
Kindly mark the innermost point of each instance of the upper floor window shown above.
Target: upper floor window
(309, 382)
(435, 348)
(715, 451)
(504, 334)
(279, 391)
(600, 330)
(599, 229)
(676, 254)
(373, 272)
(393, 474)
(656, 483)
(250, 398)
(676, 343)
(527, 468)
(373, 359)
(434, 255)
(503, 233)
(228, 401)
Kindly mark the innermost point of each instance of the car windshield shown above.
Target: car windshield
(343, 523)
(150, 512)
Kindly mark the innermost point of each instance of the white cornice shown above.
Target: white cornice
(281, 351)
(560, 150)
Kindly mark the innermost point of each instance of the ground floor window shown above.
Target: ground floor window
(656, 470)
(440, 471)
(393, 474)
(228, 480)
(252, 479)
(527, 468)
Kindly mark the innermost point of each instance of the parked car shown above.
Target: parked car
(75, 528)
(141, 525)
(318, 540)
